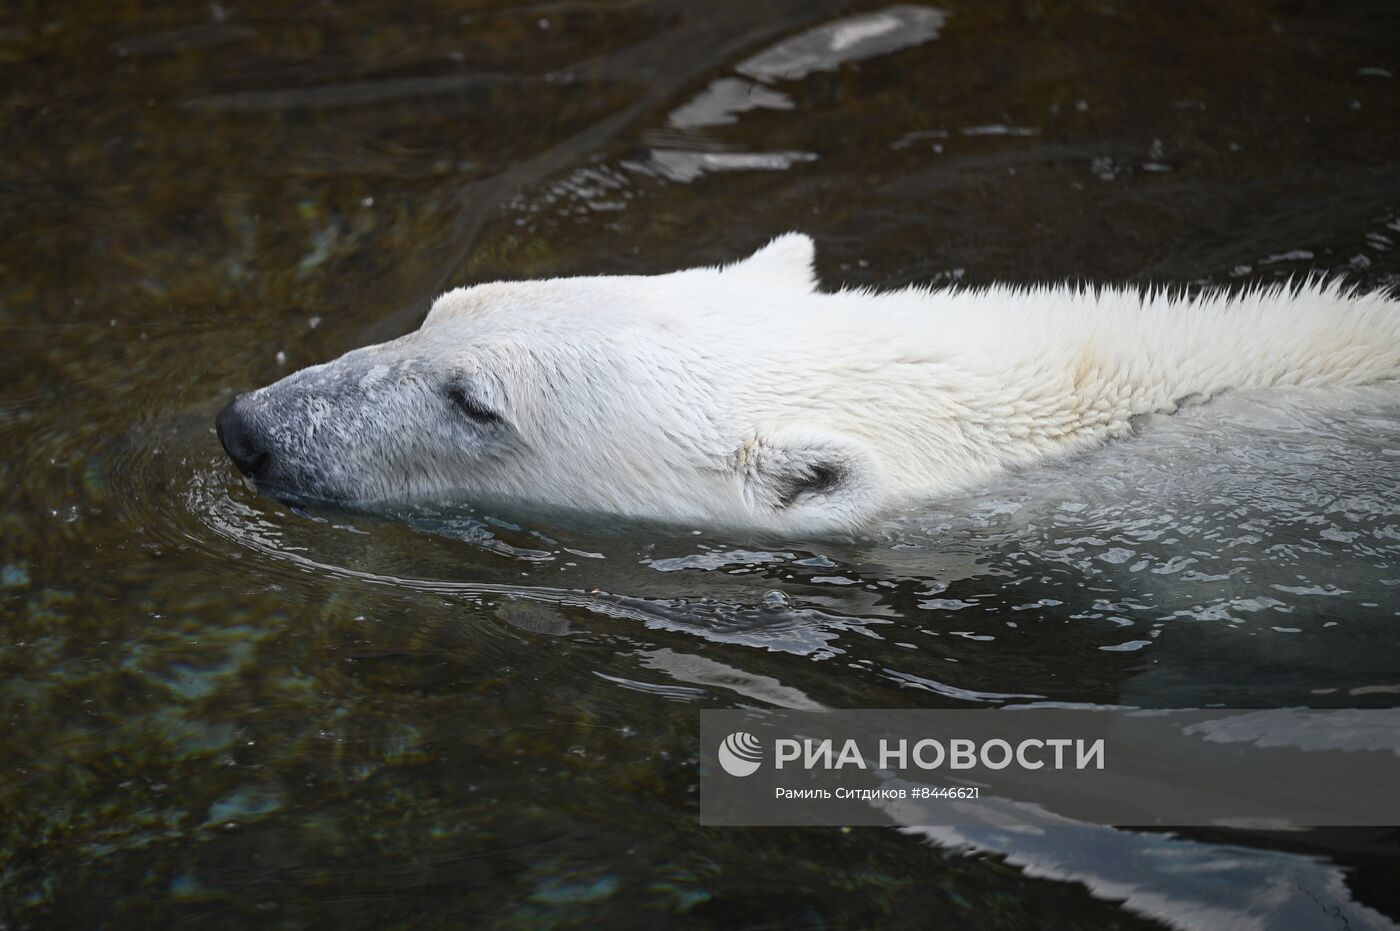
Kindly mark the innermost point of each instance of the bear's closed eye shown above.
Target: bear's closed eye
(472, 406)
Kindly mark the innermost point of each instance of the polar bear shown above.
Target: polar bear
(741, 396)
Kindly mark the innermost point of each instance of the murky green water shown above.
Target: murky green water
(220, 712)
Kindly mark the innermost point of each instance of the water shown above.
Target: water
(221, 711)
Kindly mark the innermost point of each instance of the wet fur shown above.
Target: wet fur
(742, 396)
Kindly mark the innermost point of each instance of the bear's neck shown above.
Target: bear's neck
(958, 385)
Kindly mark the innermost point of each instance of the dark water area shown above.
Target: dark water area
(220, 712)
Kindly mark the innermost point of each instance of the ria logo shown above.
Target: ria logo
(740, 754)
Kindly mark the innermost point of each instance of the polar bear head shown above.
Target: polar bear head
(699, 397)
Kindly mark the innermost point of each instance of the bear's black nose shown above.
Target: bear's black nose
(241, 441)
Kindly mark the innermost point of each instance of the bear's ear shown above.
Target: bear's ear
(809, 480)
(787, 261)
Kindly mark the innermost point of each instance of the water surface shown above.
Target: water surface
(222, 711)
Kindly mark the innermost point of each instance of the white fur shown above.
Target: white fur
(741, 396)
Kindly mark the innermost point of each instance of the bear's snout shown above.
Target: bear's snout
(243, 443)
